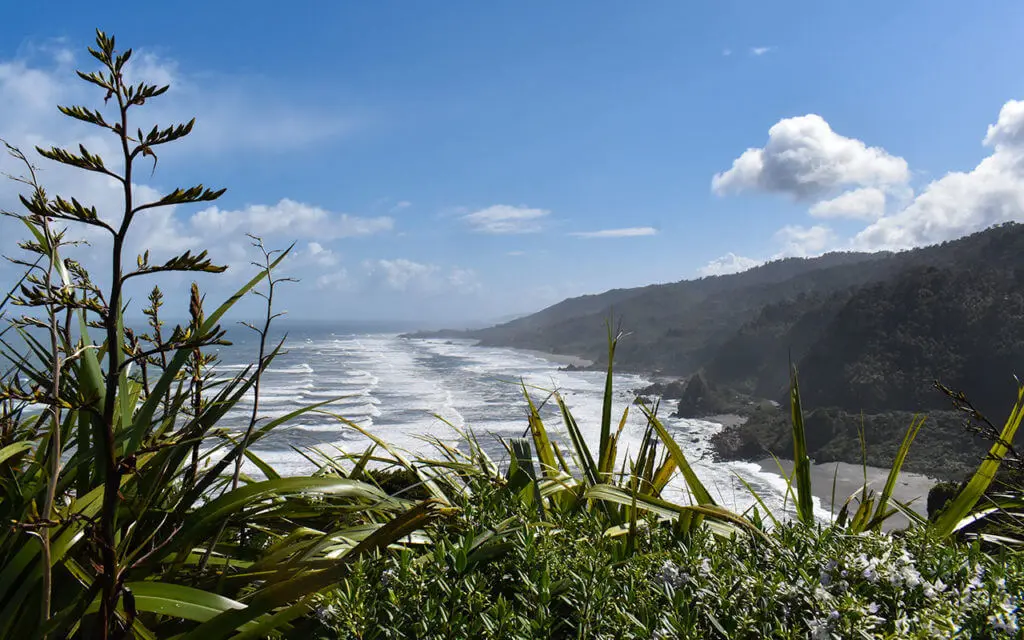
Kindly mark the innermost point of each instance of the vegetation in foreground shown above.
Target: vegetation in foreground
(130, 515)
(565, 578)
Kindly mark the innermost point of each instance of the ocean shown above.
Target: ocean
(395, 387)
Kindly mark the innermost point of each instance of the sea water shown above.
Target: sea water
(400, 388)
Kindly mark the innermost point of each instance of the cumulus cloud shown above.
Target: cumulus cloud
(296, 219)
(760, 51)
(231, 115)
(867, 203)
(232, 112)
(321, 255)
(336, 280)
(801, 242)
(629, 232)
(729, 263)
(505, 219)
(806, 159)
(962, 202)
(405, 275)
(1008, 131)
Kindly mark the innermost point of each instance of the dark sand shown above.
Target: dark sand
(849, 478)
(560, 358)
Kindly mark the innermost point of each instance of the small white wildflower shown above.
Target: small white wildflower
(870, 575)
(819, 630)
(705, 566)
(670, 575)
(911, 577)
(932, 590)
(1005, 623)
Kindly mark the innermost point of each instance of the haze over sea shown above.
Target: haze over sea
(395, 387)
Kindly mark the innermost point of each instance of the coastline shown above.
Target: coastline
(849, 479)
(560, 358)
(729, 421)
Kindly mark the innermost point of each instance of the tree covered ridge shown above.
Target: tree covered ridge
(868, 331)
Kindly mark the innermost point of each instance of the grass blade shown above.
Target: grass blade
(801, 461)
(965, 501)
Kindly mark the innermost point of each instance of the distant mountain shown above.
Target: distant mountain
(675, 327)
(869, 331)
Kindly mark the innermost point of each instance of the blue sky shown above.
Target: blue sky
(459, 161)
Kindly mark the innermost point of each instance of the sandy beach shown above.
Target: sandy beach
(560, 358)
(849, 478)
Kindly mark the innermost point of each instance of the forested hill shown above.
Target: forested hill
(673, 326)
(868, 331)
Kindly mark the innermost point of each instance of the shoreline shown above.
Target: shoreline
(849, 478)
(559, 358)
(728, 421)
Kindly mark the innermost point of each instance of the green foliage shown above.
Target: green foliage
(564, 577)
(957, 514)
(114, 470)
(131, 515)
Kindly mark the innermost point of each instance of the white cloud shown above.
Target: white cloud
(726, 52)
(629, 232)
(729, 263)
(1008, 131)
(802, 242)
(321, 255)
(806, 159)
(867, 203)
(231, 115)
(760, 51)
(398, 274)
(464, 280)
(515, 253)
(336, 280)
(505, 219)
(962, 202)
(288, 217)
(405, 275)
(232, 112)
(404, 204)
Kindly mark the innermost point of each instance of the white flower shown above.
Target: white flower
(705, 566)
(1005, 623)
(819, 630)
(911, 577)
(932, 590)
(671, 576)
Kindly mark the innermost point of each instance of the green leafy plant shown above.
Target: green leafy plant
(130, 512)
